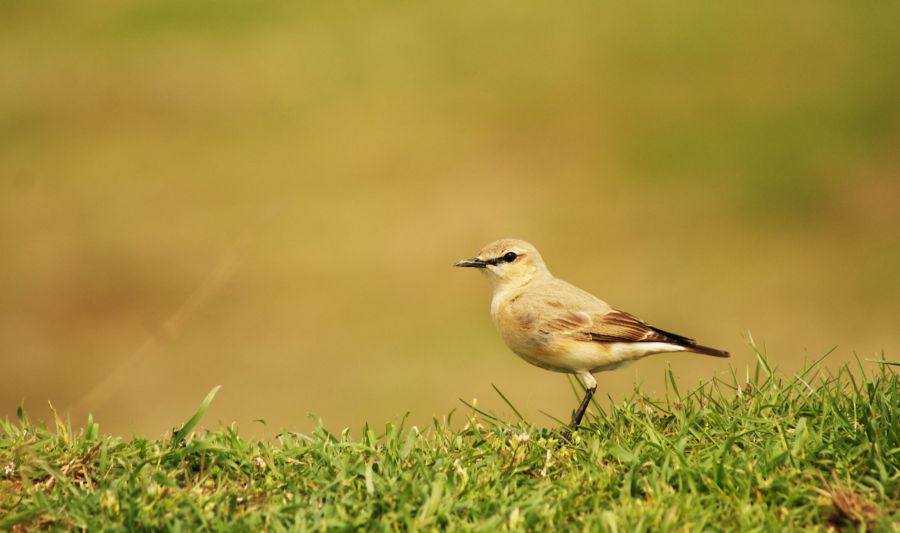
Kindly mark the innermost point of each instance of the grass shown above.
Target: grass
(818, 450)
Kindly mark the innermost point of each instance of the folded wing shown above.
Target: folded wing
(616, 325)
(613, 326)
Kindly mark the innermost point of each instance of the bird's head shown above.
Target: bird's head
(508, 263)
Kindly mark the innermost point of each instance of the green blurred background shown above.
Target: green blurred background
(270, 196)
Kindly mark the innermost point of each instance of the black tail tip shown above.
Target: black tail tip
(707, 350)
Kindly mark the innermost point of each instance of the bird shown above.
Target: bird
(556, 326)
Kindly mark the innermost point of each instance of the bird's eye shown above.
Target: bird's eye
(509, 257)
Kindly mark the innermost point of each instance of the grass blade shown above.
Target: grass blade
(885, 362)
(509, 403)
(185, 430)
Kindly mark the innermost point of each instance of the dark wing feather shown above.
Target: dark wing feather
(618, 326)
(613, 326)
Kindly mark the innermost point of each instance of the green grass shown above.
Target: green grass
(761, 452)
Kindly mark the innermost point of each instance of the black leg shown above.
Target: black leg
(579, 413)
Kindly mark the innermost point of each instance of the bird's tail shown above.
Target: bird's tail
(706, 350)
(690, 344)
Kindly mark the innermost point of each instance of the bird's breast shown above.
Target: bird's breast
(518, 325)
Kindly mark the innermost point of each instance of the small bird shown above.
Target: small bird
(557, 326)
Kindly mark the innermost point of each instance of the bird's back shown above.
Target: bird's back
(553, 296)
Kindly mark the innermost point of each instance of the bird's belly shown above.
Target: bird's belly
(551, 353)
(571, 355)
(528, 347)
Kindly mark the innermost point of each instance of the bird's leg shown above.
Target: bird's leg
(579, 413)
(590, 385)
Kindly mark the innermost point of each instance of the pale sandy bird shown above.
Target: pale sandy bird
(557, 326)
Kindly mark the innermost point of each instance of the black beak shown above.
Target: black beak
(473, 262)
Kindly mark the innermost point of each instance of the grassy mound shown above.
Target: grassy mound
(812, 451)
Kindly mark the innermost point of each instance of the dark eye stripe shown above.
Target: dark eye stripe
(508, 257)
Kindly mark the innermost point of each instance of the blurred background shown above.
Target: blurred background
(270, 196)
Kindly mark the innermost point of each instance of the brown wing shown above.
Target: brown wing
(613, 326)
(617, 326)
(577, 324)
